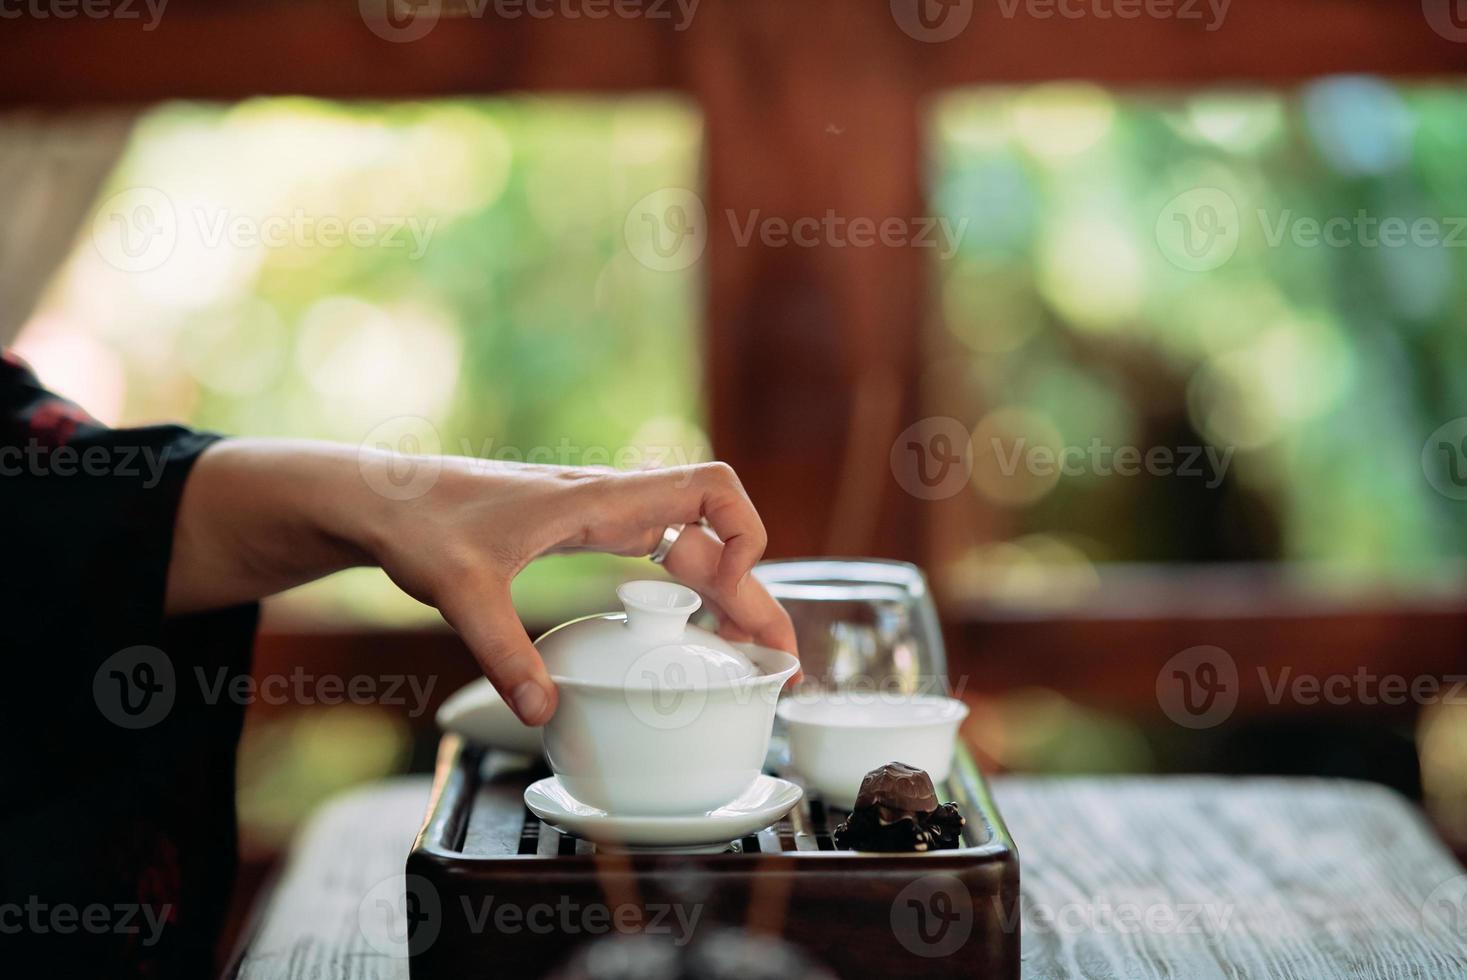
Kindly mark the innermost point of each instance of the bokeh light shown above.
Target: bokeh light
(1238, 123)
(1318, 368)
(1360, 125)
(76, 365)
(1090, 270)
(490, 293)
(1062, 119)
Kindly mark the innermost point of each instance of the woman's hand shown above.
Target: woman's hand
(459, 546)
(260, 516)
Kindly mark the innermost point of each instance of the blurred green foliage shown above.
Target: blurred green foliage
(1077, 308)
(496, 298)
(490, 292)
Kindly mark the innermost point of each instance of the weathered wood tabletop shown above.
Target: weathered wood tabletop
(1193, 878)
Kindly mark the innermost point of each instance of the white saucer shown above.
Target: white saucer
(479, 714)
(766, 800)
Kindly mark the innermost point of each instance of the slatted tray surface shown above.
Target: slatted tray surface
(480, 841)
(806, 828)
(540, 839)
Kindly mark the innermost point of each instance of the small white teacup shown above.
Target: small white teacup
(837, 737)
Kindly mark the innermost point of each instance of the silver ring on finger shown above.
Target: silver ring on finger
(670, 534)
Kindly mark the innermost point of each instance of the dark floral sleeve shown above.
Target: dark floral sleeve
(118, 814)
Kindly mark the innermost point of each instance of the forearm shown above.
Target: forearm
(259, 516)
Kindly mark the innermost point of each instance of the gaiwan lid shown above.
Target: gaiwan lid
(649, 645)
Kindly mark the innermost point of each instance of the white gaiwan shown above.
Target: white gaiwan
(658, 717)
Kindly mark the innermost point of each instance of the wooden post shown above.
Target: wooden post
(813, 348)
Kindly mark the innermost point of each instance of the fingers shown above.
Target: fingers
(747, 612)
(727, 628)
(486, 620)
(732, 516)
(686, 494)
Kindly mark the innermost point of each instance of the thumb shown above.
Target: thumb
(489, 625)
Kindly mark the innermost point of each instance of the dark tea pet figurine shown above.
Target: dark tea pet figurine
(897, 810)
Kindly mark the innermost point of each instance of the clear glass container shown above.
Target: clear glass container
(862, 624)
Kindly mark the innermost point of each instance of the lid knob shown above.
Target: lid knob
(657, 610)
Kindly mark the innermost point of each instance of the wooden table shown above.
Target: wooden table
(1193, 878)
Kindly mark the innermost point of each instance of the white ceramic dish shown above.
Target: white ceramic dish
(656, 717)
(836, 738)
(763, 802)
(478, 713)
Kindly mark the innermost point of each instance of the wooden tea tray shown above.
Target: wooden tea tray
(490, 888)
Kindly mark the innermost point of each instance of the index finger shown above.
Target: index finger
(486, 620)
